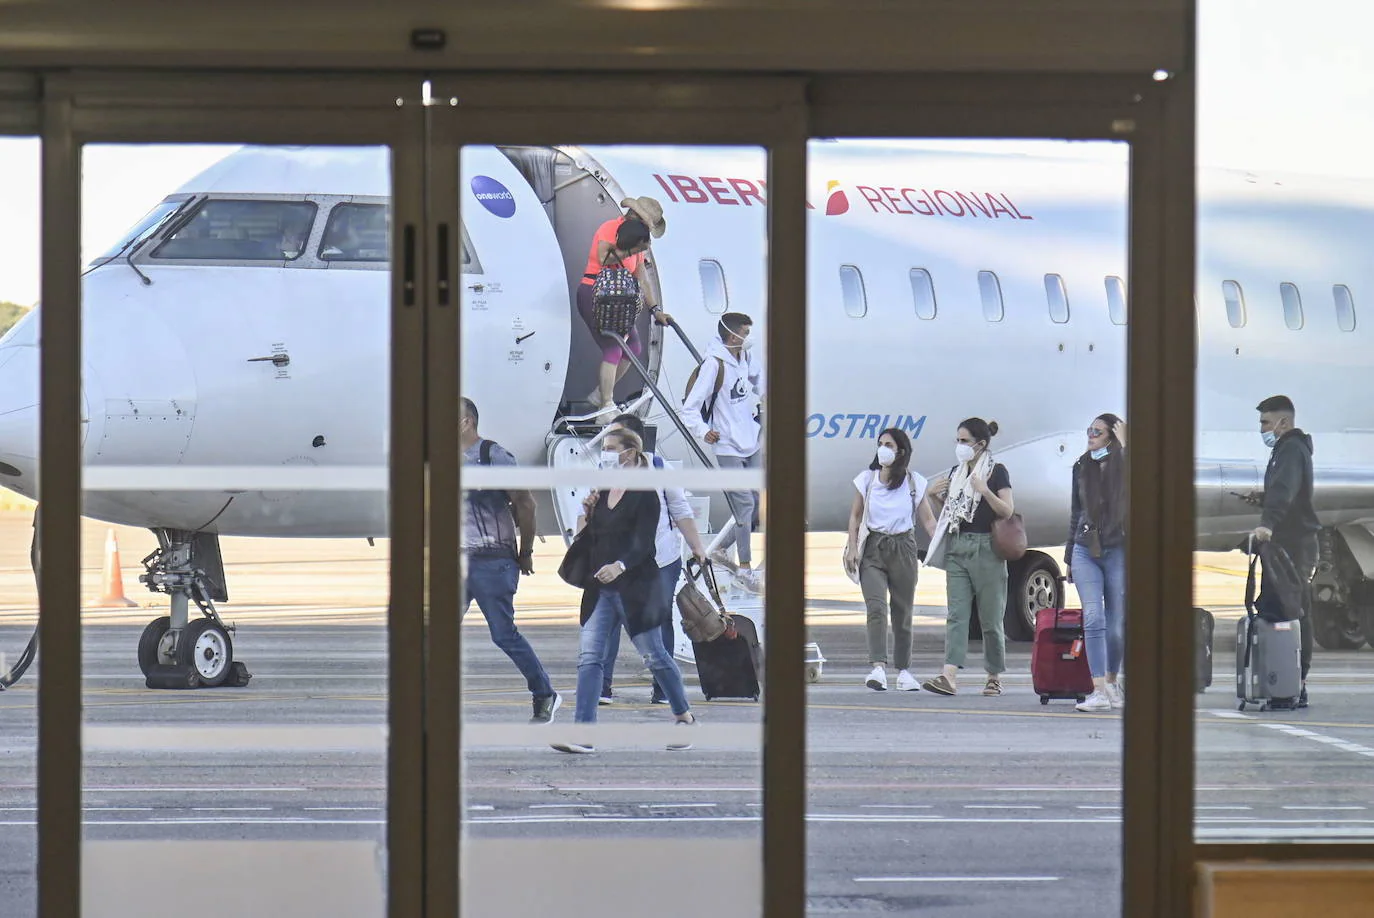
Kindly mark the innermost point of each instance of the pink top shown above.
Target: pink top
(606, 233)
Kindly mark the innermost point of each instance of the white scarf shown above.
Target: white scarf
(962, 501)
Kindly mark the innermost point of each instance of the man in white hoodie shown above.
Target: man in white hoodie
(723, 407)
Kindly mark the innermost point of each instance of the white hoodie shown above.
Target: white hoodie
(736, 406)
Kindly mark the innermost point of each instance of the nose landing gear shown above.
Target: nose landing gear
(174, 652)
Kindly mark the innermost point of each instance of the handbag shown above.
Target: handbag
(852, 572)
(703, 619)
(616, 299)
(1009, 538)
(576, 567)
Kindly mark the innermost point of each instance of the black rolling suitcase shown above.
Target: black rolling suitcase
(726, 647)
(1204, 629)
(729, 666)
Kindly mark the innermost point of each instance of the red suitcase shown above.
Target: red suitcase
(1059, 659)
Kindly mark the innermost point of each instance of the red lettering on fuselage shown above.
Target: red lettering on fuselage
(746, 190)
(718, 190)
(687, 187)
(873, 197)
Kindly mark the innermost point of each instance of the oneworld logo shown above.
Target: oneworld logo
(494, 196)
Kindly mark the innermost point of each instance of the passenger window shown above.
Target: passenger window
(852, 290)
(1345, 307)
(471, 263)
(1235, 303)
(923, 292)
(1116, 300)
(1058, 298)
(991, 292)
(1292, 306)
(242, 231)
(356, 232)
(714, 293)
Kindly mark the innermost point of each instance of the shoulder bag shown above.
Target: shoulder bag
(852, 572)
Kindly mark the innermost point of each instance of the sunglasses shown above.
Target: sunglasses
(1096, 432)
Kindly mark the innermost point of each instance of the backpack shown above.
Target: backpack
(708, 408)
(616, 299)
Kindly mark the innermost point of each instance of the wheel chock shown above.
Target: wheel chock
(238, 676)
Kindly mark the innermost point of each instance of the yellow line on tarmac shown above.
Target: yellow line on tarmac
(1077, 715)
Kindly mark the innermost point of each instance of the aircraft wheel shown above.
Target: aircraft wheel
(206, 650)
(1336, 626)
(150, 651)
(1032, 584)
(813, 673)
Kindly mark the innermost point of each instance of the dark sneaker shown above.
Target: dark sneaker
(656, 698)
(545, 708)
(1302, 697)
(575, 748)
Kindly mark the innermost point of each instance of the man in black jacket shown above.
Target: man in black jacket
(1287, 515)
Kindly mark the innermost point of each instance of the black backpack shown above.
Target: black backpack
(1282, 590)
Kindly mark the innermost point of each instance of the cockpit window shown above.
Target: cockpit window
(141, 228)
(355, 232)
(231, 230)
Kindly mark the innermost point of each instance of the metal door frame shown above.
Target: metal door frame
(131, 107)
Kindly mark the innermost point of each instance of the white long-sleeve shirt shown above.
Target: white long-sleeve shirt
(672, 505)
(736, 405)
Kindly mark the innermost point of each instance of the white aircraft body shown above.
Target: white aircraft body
(244, 323)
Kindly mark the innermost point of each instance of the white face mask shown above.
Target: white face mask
(610, 459)
(886, 456)
(747, 344)
(963, 452)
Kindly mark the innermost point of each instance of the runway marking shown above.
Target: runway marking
(1323, 808)
(231, 809)
(888, 806)
(1000, 806)
(673, 806)
(1222, 808)
(345, 809)
(564, 806)
(1111, 806)
(956, 879)
(1345, 745)
(1069, 713)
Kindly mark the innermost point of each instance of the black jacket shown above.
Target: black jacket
(626, 533)
(1287, 507)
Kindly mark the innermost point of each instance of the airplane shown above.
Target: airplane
(243, 323)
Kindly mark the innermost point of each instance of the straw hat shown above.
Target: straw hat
(648, 210)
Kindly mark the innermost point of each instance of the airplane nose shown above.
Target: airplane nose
(19, 419)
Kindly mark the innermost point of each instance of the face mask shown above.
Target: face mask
(1100, 453)
(963, 452)
(886, 456)
(1269, 438)
(610, 459)
(747, 344)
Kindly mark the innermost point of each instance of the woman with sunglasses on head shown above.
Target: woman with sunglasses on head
(1096, 556)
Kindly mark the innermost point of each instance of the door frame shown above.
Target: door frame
(130, 107)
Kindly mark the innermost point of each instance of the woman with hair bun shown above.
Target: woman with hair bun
(976, 493)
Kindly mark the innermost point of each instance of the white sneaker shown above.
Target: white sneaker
(683, 745)
(906, 682)
(877, 680)
(1097, 701)
(1116, 695)
(750, 579)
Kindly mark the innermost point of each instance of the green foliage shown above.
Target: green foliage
(9, 314)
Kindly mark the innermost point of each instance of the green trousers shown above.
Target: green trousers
(972, 572)
(887, 576)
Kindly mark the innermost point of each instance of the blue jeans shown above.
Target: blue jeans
(668, 580)
(1102, 587)
(492, 582)
(605, 619)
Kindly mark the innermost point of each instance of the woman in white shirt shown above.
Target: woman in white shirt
(882, 546)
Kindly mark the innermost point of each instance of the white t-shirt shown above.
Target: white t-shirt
(891, 510)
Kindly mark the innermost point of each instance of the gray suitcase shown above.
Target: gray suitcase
(1268, 656)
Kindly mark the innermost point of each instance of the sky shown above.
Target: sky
(1282, 86)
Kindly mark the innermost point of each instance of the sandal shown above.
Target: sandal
(993, 686)
(939, 685)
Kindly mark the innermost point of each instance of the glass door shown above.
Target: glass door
(248, 650)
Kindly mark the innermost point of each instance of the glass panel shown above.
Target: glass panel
(1292, 306)
(236, 395)
(991, 293)
(19, 288)
(920, 801)
(606, 791)
(1116, 300)
(1345, 307)
(852, 289)
(714, 294)
(923, 292)
(1058, 298)
(1278, 208)
(1235, 303)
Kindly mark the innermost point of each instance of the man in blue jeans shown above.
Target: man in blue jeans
(494, 565)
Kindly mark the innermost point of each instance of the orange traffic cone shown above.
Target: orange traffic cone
(111, 578)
